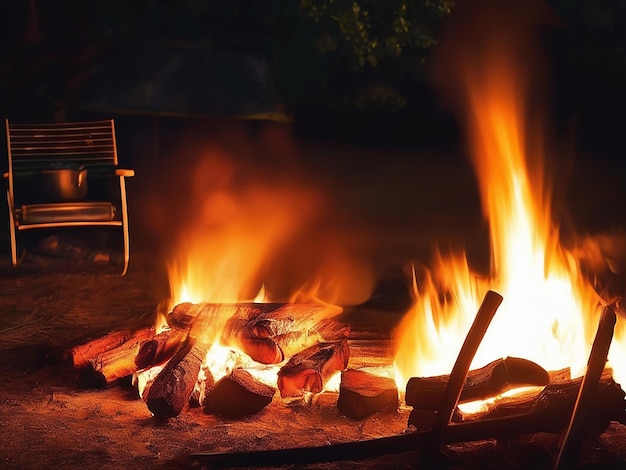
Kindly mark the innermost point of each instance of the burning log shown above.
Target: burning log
(169, 392)
(294, 326)
(83, 353)
(270, 333)
(310, 369)
(238, 394)
(362, 394)
(425, 393)
(118, 362)
(562, 397)
(267, 332)
(159, 349)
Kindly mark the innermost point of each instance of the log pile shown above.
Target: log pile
(301, 339)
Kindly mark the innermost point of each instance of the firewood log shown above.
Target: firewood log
(362, 394)
(185, 314)
(310, 369)
(118, 362)
(168, 394)
(425, 393)
(555, 404)
(267, 332)
(159, 349)
(83, 353)
(291, 327)
(292, 317)
(238, 394)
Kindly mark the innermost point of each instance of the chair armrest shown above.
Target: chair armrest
(124, 172)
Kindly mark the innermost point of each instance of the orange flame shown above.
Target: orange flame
(235, 232)
(550, 311)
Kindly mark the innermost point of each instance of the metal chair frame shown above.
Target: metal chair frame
(92, 145)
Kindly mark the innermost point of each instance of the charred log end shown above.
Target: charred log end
(296, 385)
(181, 316)
(238, 394)
(168, 398)
(262, 350)
(311, 368)
(147, 353)
(362, 394)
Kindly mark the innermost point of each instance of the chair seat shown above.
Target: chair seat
(78, 212)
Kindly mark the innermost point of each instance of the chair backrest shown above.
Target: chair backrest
(34, 147)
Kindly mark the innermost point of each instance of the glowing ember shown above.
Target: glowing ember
(550, 312)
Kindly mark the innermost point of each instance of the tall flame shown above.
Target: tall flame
(237, 227)
(550, 312)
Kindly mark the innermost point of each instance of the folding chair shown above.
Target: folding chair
(65, 176)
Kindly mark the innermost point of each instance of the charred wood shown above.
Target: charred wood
(118, 362)
(555, 403)
(159, 349)
(83, 353)
(361, 394)
(425, 393)
(310, 369)
(169, 392)
(267, 332)
(238, 394)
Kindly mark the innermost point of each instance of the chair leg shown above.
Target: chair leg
(12, 230)
(125, 224)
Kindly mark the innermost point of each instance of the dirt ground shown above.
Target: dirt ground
(47, 420)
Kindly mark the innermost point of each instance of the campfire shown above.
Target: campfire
(530, 346)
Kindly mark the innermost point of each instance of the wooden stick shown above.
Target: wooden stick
(451, 395)
(588, 390)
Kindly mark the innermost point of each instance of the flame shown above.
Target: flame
(550, 311)
(249, 229)
(235, 232)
